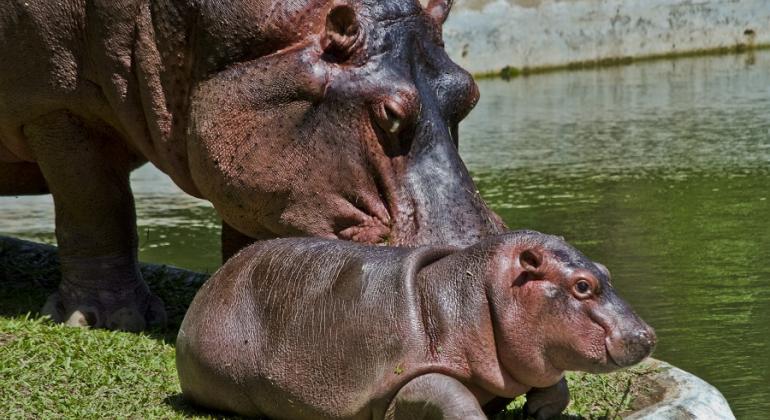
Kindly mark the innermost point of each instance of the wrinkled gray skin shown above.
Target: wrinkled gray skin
(326, 118)
(319, 329)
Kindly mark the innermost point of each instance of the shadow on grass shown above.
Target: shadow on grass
(29, 273)
(185, 408)
(518, 414)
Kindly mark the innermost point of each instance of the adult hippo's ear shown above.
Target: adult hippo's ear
(439, 10)
(343, 34)
(530, 262)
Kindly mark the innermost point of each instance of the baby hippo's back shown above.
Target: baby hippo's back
(304, 329)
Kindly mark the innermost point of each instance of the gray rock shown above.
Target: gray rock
(679, 395)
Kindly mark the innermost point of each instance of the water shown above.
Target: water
(659, 170)
(662, 172)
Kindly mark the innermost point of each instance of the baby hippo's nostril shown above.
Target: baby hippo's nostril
(632, 347)
(647, 338)
(640, 345)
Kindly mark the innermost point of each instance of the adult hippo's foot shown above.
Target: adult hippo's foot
(127, 313)
(87, 172)
(125, 304)
(544, 403)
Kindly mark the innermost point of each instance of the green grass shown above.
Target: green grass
(51, 371)
(596, 396)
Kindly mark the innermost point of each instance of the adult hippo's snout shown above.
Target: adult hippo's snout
(440, 202)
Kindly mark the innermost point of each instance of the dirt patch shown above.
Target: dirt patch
(6, 339)
(649, 392)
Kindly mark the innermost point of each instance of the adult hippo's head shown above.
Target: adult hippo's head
(334, 119)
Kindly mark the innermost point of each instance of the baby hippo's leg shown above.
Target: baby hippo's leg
(544, 403)
(434, 397)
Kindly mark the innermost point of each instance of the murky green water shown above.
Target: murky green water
(659, 170)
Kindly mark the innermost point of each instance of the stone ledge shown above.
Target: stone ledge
(529, 36)
(679, 395)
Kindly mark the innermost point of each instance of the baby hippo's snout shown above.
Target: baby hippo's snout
(628, 338)
(629, 346)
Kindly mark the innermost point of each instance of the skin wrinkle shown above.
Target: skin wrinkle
(493, 317)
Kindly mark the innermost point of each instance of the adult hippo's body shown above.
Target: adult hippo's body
(318, 329)
(324, 118)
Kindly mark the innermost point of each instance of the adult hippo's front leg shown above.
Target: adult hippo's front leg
(434, 397)
(87, 170)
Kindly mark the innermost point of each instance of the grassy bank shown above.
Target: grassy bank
(50, 371)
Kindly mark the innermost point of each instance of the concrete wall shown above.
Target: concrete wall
(488, 35)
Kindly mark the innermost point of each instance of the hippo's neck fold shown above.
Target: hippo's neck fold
(459, 323)
(163, 57)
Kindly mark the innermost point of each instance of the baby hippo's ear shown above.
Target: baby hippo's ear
(603, 269)
(342, 35)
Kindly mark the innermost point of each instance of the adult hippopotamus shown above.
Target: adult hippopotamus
(329, 118)
(321, 329)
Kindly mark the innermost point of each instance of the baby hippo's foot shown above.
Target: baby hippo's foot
(544, 403)
(434, 397)
(116, 306)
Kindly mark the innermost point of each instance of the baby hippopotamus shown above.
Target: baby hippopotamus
(324, 329)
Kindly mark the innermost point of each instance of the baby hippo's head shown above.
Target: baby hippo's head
(557, 310)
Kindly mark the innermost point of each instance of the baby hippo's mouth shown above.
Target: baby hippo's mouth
(610, 358)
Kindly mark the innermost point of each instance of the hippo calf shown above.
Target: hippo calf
(325, 329)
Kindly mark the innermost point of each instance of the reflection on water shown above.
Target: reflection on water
(659, 170)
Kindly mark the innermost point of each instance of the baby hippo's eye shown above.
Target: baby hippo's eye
(582, 288)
